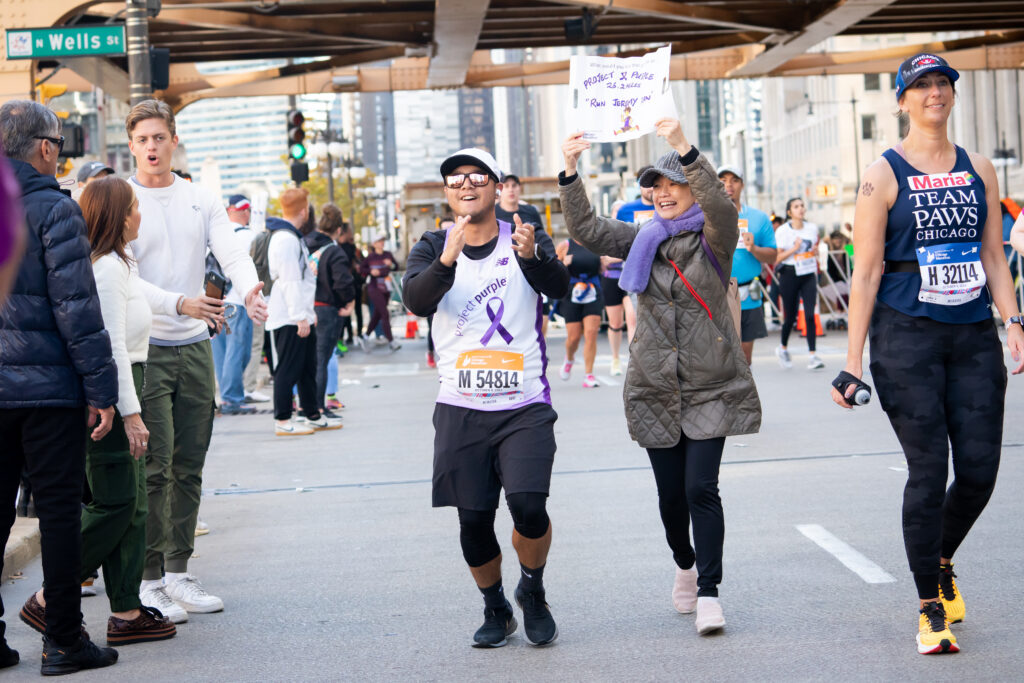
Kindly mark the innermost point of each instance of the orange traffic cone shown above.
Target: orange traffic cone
(412, 326)
(802, 326)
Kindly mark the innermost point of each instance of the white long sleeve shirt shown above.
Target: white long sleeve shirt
(292, 298)
(127, 317)
(179, 223)
(244, 236)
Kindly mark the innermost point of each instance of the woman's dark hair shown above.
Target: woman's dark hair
(310, 224)
(331, 220)
(790, 203)
(106, 204)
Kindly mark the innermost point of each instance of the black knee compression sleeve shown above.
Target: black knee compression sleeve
(476, 534)
(529, 513)
(617, 329)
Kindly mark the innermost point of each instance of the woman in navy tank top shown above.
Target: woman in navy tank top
(929, 263)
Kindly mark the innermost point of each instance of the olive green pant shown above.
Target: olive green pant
(177, 407)
(114, 523)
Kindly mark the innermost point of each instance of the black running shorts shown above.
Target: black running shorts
(752, 324)
(611, 292)
(477, 453)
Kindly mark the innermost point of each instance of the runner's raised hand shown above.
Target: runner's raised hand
(456, 241)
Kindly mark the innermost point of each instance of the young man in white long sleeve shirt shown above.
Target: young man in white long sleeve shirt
(292, 319)
(180, 220)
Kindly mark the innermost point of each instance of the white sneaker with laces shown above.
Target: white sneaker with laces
(394, 346)
(158, 598)
(202, 528)
(293, 427)
(256, 397)
(616, 368)
(323, 423)
(589, 382)
(380, 341)
(190, 594)
(816, 363)
(566, 370)
(709, 616)
(784, 360)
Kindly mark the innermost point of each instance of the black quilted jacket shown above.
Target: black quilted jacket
(54, 350)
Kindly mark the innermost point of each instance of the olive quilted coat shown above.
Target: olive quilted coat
(686, 369)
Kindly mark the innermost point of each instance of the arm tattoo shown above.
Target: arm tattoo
(867, 188)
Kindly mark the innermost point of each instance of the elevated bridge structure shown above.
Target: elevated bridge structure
(373, 46)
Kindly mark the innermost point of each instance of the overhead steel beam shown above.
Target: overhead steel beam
(102, 73)
(678, 11)
(457, 25)
(840, 17)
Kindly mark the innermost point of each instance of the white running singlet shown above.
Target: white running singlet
(487, 334)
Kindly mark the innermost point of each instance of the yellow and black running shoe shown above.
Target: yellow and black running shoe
(952, 601)
(933, 634)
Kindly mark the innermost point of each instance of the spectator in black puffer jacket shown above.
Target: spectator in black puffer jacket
(55, 361)
(335, 290)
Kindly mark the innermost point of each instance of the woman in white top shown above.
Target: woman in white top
(797, 269)
(114, 523)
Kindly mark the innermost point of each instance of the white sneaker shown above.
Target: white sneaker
(394, 346)
(709, 615)
(158, 598)
(566, 370)
(202, 528)
(589, 382)
(816, 363)
(380, 341)
(190, 594)
(784, 360)
(361, 342)
(256, 397)
(616, 369)
(292, 427)
(684, 590)
(323, 423)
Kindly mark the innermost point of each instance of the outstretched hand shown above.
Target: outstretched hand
(456, 241)
(672, 131)
(256, 305)
(523, 242)
(572, 148)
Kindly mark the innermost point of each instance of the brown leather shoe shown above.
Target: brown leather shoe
(149, 626)
(34, 614)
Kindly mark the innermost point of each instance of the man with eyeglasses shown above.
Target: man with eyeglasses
(494, 425)
(58, 375)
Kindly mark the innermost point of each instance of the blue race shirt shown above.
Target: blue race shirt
(635, 211)
(937, 222)
(744, 266)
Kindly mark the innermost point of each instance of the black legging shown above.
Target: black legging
(379, 299)
(941, 385)
(795, 287)
(687, 479)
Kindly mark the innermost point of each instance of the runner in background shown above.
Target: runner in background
(581, 308)
(930, 263)
(798, 279)
(756, 246)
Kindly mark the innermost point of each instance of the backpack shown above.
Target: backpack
(258, 252)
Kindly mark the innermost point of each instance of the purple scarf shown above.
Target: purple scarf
(637, 269)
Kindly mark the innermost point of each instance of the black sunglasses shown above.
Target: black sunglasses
(59, 141)
(455, 180)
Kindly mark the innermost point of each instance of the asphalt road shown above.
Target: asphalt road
(333, 565)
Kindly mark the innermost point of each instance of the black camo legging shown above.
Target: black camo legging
(942, 385)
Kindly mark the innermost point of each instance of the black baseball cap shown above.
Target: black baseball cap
(919, 65)
(92, 169)
(511, 176)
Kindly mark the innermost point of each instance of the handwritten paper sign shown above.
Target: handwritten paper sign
(617, 99)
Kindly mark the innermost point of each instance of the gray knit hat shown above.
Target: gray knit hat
(670, 166)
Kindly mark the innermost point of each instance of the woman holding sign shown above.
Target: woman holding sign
(687, 385)
(797, 261)
(930, 262)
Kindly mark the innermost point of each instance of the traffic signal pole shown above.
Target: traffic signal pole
(137, 39)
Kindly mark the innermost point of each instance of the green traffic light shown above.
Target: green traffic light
(297, 151)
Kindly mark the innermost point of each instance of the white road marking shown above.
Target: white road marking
(603, 379)
(391, 370)
(853, 559)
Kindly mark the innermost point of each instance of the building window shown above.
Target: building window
(892, 81)
(872, 82)
(867, 127)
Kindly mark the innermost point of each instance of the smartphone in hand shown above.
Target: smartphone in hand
(215, 285)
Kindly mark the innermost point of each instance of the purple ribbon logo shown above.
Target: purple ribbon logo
(495, 318)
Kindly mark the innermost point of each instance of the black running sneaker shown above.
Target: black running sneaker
(538, 623)
(84, 654)
(498, 625)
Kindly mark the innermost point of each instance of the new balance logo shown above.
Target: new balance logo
(502, 261)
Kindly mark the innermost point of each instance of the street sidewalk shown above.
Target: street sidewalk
(22, 546)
